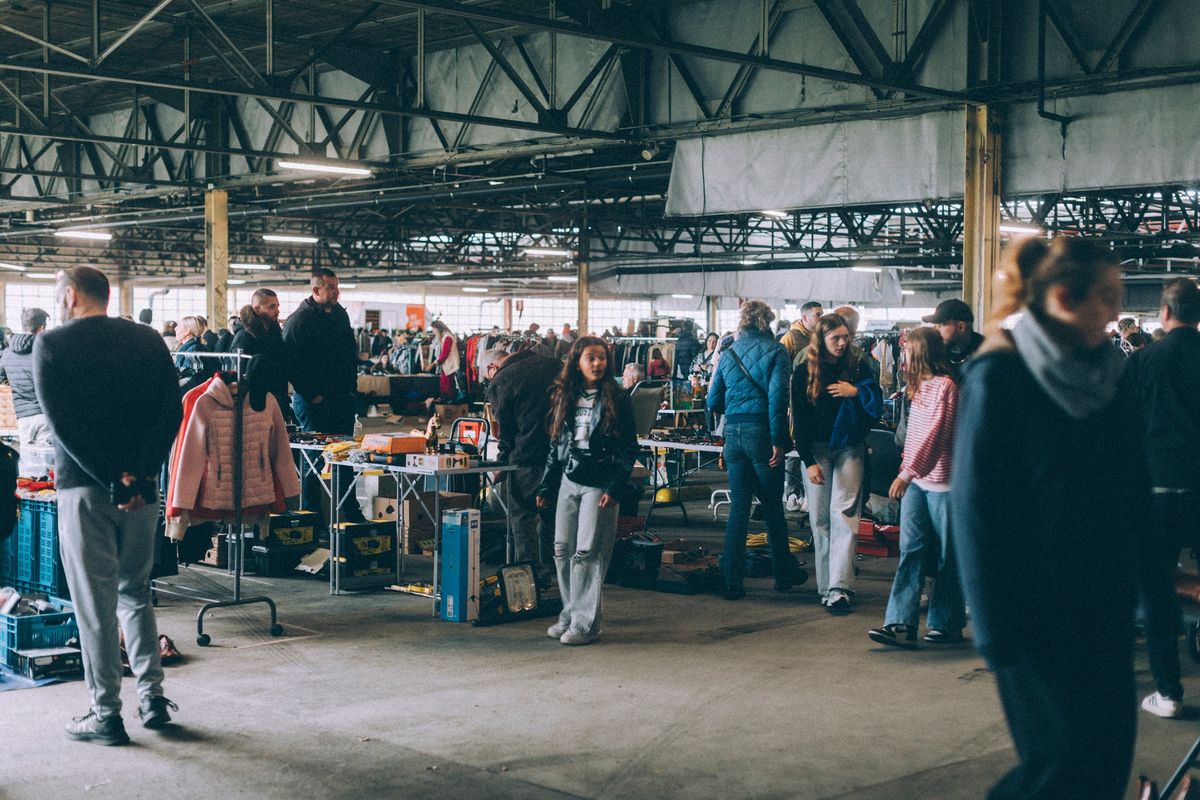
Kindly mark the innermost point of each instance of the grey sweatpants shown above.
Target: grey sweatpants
(583, 542)
(107, 555)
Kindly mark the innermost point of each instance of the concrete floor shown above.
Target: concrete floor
(367, 696)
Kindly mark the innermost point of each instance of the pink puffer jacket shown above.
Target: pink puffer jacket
(203, 474)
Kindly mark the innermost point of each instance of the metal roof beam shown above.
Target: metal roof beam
(632, 39)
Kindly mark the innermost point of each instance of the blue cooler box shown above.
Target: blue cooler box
(460, 565)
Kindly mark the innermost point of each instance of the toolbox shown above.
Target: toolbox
(366, 554)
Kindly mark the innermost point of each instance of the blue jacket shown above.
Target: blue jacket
(741, 400)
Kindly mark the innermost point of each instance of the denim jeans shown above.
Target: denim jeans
(747, 453)
(926, 549)
(331, 415)
(532, 527)
(833, 512)
(584, 534)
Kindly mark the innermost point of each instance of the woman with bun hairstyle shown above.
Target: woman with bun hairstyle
(1044, 525)
(593, 444)
(835, 401)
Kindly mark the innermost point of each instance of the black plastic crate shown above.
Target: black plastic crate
(366, 555)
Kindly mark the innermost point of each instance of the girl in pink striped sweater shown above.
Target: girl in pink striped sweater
(923, 488)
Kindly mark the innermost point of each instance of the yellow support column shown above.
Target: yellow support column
(981, 210)
(582, 295)
(216, 255)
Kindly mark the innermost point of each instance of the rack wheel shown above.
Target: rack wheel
(1193, 641)
(277, 630)
(203, 640)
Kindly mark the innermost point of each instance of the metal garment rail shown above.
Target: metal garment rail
(235, 544)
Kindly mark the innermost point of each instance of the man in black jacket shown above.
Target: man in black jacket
(322, 365)
(322, 359)
(260, 335)
(1166, 379)
(519, 393)
(109, 391)
(955, 322)
(16, 366)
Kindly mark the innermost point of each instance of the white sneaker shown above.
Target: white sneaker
(837, 600)
(556, 630)
(804, 504)
(574, 637)
(793, 503)
(1161, 706)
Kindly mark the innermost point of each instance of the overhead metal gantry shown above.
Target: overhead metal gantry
(121, 113)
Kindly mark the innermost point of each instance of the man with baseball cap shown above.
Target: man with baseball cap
(955, 322)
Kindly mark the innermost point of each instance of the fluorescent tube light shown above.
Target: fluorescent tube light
(866, 269)
(683, 296)
(495, 183)
(235, 281)
(13, 267)
(316, 166)
(250, 266)
(99, 236)
(907, 291)
(475, 289)
(775, 214)
(748, 262)
(563, 279)
(280, 237)
(1019, 227)
(41, 276)
(546, 251)
(347, 285)
(441, 273)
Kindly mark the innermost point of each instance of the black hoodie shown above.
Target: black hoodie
(261, 336)
(322, 358)
(16, 365)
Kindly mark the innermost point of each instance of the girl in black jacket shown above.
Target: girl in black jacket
(593, 445)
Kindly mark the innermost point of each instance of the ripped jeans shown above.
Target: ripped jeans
(583, 542)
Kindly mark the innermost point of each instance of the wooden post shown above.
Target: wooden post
(981, 210)
(582, 295)
(712, 314)
(506, 309)
(216, 255)
(125, 298)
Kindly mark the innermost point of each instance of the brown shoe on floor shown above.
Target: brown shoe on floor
(167, 651)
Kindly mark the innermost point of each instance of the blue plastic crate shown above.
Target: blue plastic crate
(8, 559)
(25, 568)
(41, 630)
(49, 564)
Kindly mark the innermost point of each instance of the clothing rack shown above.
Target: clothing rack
(236, 544)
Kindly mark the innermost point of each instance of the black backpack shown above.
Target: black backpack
(8, 491)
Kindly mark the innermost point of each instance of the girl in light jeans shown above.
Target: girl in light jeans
(593, 444)
(923, 488)
(835, 401)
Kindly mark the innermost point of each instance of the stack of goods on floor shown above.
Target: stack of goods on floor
(687, 568)
(288, 539)
(882, 541)
(38, 636)
(758, 555)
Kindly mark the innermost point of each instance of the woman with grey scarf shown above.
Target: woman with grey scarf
(1048, 533)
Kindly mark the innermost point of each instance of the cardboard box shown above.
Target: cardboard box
(417, 526)
(391, 443)
(439, 461)
(448, 412)
(385, 508)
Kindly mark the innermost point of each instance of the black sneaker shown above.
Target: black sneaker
(101, 730)
(153, 711)
(895, 636)
(943, 637)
